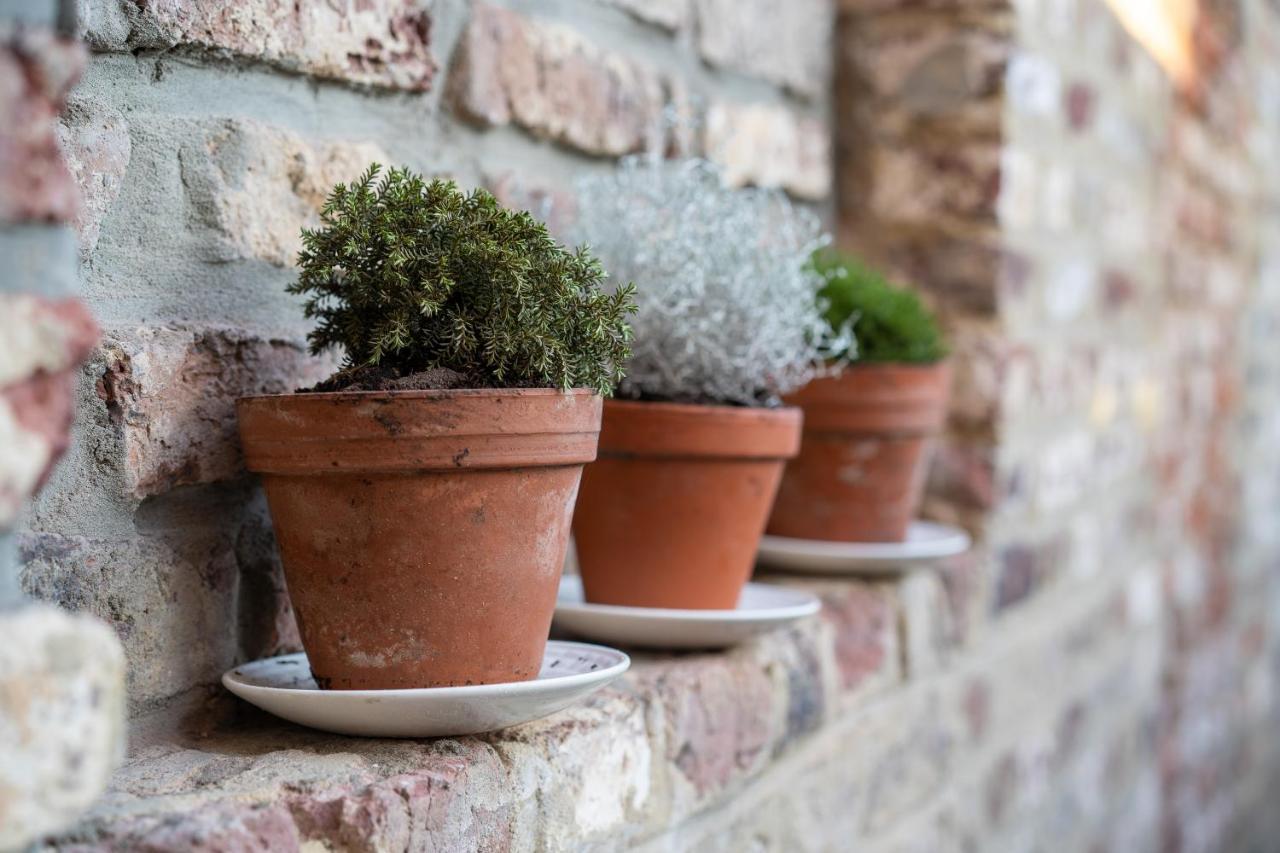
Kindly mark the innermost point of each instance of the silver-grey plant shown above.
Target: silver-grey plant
(727, 296)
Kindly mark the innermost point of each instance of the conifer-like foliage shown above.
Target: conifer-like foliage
(416, 275)
(891, 323)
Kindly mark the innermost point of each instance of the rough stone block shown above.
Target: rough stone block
(769, 146)
(382, 43)
(547, 79)
(784, 43)
(170, 394)
(257, 186)
(186, 606)
(37, 69)
(61, 719)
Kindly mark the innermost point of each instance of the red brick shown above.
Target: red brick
(375, 42)
(37, 70)
(170, 394)
(865, 621)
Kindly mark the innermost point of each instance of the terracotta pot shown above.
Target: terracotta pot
(860, 473)
(671, 513)
(422, 532)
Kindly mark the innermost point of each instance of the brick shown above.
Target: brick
(720, 719)
(384, 43)
(1024, 568)
(769, 146)
(784, 43)
(1079, 103)
(94, 139)
(169, 394)
(186, 604)
(962, 474)
(930, 66)
(915, 185)
(37, 69)
(864, 619)
(547, 79)
(913, 751)
(556, 206)
(61, 682)
(928, 635)
(258, 186)
(42, 341)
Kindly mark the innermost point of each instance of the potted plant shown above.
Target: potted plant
(693, 446)
(421, 496)
(867, 429)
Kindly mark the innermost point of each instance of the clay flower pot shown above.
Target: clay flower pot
(671, 513)
(422, 532)
(860, 473)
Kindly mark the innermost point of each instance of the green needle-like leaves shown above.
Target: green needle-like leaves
(414, 275)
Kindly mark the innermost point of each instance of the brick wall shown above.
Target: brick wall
(203, 135)
(1103, 248)
(1100, 673)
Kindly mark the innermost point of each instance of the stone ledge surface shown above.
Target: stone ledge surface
(679, 740)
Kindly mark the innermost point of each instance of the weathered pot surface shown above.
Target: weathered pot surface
(862, 464)
(422, 532)
(672, 511)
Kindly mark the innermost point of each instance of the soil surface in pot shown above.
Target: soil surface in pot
(380, 378)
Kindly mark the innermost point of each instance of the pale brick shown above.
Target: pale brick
(258, 186)
(94, 139)
(769, 146)
(374, 42)
(784, 43)
(547, 79)
(61, 719)
(170, 396)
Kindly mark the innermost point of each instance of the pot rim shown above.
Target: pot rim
(638, 428)
(424, 393)
(349, 432)
(884, 399)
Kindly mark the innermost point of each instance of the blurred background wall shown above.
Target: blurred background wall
(1100, 233)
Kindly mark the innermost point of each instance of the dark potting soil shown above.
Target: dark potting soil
(380, 378)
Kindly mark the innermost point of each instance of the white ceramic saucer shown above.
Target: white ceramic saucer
(926, 540)
(284, 687)
(761, 608)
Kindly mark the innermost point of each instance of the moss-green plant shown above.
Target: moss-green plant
(891, 323)
(415, 275)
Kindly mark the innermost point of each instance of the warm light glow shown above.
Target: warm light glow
(1164, 28)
